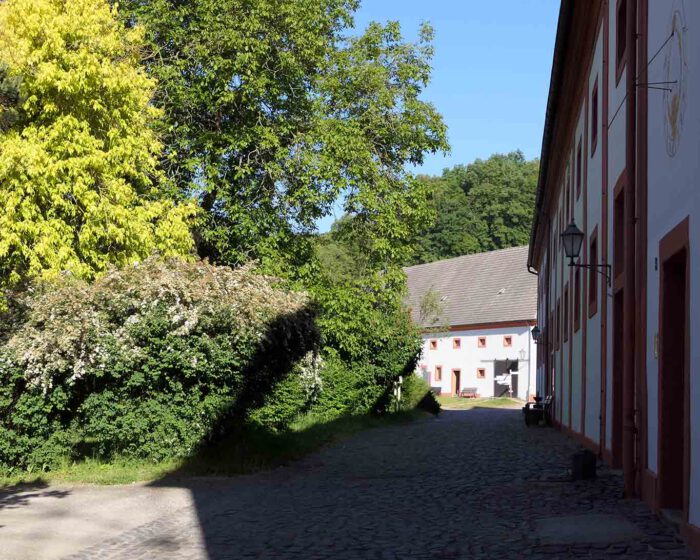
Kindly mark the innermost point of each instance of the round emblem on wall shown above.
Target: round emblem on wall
(675, 72)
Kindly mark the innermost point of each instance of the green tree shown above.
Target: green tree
(338, 258)
(271, 112)
(78, 156)
(448, 235)
(501, 196)
(479, 207)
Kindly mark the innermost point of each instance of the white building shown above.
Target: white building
(621, 159)
(476, 313)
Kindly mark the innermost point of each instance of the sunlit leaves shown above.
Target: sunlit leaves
(272, 112)
(79, 162)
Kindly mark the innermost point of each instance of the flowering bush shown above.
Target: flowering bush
(148, 361)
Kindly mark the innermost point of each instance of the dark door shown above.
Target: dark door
(617, 372)
(456, 384)
(500, 368)
(672, 381)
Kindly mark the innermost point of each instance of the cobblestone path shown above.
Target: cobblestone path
(469, 484)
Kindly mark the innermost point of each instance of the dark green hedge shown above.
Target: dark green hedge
(149, 362)
(158, 359)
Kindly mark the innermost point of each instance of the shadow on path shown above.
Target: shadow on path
(16, 496)
(467, 484)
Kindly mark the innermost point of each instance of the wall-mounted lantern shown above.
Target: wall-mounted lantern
(572, 238)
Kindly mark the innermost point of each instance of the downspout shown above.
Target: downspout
(545, 351)
(529, 338)
(628, 382)
(529, 363)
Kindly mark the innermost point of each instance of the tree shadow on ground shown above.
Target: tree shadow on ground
(235, 444)
(218, 495)
(19, 495)
(238, 446)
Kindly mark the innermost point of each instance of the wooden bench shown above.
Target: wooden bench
(540, 410)
(468, 393)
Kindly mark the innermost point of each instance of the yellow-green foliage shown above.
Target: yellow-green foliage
(78, 165)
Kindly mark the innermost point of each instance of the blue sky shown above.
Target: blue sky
(490, 71)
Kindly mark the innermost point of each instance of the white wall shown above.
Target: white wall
(674, 194)
(576, 343)
(594, 218)
(617, 119)
(470, 357)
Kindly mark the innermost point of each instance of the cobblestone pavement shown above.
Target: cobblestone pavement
(469, 484)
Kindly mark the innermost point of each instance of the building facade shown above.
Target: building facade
(494, 361)
(476, 313)
(621, 159)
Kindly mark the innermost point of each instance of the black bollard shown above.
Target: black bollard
(583, 466)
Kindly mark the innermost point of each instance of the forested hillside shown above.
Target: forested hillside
(482, 206)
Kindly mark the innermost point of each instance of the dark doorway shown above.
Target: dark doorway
(456, 384)
(618, 326)
(617, 372)
(673, 372)
(502, 368)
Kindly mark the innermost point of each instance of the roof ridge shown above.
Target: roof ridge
(467, 256)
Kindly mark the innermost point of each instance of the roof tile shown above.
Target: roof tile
(488, 287)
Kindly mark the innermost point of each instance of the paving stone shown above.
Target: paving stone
(470, 484)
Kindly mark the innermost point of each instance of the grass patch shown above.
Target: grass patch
(258, 449)
(457, 403)
(250, 450)
(93, 471)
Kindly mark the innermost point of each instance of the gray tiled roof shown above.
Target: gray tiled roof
(481, 288)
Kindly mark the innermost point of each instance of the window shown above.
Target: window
(578, 170)
(433, 344)
(619, 231)
(456, 343)
(507, 341)
(577, 300)
(558, 333)
(594, 117)
(481, 373)
(561, 226)
(620, 37)
(481, 342)
(571, 195)
(438, 373)
(566, 312)
(592, 278)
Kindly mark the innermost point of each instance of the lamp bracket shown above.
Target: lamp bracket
(604, 269)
